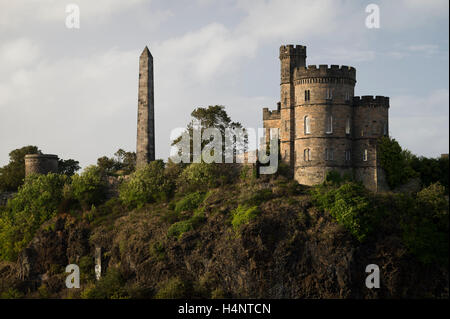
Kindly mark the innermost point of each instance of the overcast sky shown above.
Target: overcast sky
(73, 92)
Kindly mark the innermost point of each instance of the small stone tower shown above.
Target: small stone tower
(40, 164)
(145, 146)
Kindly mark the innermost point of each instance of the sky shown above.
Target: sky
(73, 91)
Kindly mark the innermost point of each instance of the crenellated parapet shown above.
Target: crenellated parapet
(271, 115)
(291, 50)
(371, 101)
(324, 72)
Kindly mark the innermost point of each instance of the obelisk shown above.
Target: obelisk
(145, 146)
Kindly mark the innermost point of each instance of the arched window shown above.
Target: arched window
(307, 124)
(365, 155)
(329, 125)
(347, 126)
(307, 155)
(329, 154)
(385, 129)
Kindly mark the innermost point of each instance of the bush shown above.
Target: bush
(189, 202)
(350, 205)
(111, 286)
(90, 187)
(242, 215)
(35, 203)
(203, 176)
(148, 184)
(425, 225)
(181, 227)
(174, 288)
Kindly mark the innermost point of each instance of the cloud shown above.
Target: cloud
(17, 13)
(420, 123)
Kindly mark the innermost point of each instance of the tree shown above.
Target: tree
(123, 163)
(68, 167)
(12, 175)
(213, 117)
(395, 161)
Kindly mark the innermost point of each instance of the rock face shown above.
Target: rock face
(289, 251)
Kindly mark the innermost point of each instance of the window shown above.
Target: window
(307, 125)
(374, 128)
(365, 155)
(347, 126)
(286, 127)
(348, 155)
(307, 155)
(385, 129)
(329, 125)
(329, 94)
(329, 156)
(307, 95)
(347, 96)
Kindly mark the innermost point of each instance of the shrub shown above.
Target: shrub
(111, 286)
(90, 187)
(425, 225)
(174, 288)
(242, 215)
(350, 205)
(260, 196)
(203, 176)
(189, 202)
(148, 184)
(35, 203)
(181, 227)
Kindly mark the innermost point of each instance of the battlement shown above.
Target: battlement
(271, 115)
(323, 70)
(291, 50)
(372, 101)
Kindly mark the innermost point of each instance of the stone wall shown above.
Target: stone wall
(324, 95)
(41, 164)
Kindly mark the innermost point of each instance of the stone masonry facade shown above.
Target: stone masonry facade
(41, 164)
(322, 126)
(145, 145)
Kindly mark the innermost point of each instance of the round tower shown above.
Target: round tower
(291, 58)
(40, 164)
(371, 115)
(323, 121)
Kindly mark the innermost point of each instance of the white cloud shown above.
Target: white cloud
(421, 124)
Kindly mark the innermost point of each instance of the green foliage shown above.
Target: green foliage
(350, 205)
(86, 264)
(189, 202)
(214, 117)
(179, 228)
(425, 225)
(203, 176)
(174, 288)
(123, 163)
(242, 215)
(260, 196)
(35, 203)
(89, 188)
(395, 162)
(431, 170)
(11, 293)
(157, 251)
(68, 167)
(110, 286)
(148, 184)
(12, 175)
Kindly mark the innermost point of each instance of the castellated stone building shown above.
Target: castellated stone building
(145, 144)
(323, 126)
